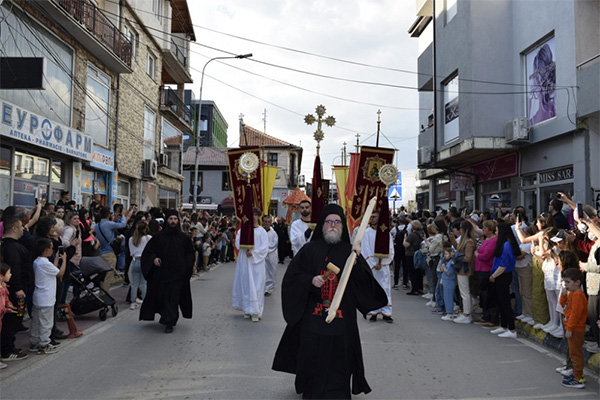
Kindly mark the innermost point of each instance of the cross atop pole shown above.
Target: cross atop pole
(378, 126)
(309, 119)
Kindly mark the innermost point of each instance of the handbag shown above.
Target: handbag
(115, 244)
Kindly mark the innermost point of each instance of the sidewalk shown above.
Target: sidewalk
(592, 361)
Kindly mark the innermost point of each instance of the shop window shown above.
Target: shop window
(97, 105)
(29, 166)
(193, 179)
(57, 174)
(168, 199)
(22, 37)
(451, 109)
(149, 133)
(5, 161)
(123, 194)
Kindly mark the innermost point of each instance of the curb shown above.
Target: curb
(592, 360)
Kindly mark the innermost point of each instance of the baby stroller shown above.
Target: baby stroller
(91, 272)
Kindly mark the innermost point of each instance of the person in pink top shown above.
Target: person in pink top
(484, 258)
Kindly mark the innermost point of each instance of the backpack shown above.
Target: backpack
(419, 259)
(399, 238)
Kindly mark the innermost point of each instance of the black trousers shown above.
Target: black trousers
(398, 260)
(487, 297)
(416, 275)
(502, 290)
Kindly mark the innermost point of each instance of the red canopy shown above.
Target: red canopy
(296, 197)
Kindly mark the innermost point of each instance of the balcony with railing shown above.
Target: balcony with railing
(176, 61)
(93, 29)
(175, 110)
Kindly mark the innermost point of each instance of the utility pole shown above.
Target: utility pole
(357, 136)
(378, 127)
(265, 121)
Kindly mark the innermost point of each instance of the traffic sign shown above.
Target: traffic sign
(395, 192)
(495, 198)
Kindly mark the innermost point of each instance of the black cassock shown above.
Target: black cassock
(325, 356)
(169, 284)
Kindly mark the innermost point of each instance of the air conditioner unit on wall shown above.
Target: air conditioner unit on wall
(163, 159)
(150, 168)
(517, 130)
(424, 155)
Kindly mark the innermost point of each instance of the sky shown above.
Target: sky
(373, 32)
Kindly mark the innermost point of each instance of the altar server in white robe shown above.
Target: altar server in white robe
(249, 278)
(379, 266)
(271, 260)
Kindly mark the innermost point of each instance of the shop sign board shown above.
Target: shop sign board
(103, 159)
(26, 126)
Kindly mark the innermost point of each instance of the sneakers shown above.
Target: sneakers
(592, 348)
(527, 320)
(508, 334)
(538, 325)
(2, 365)
(567, 372)
(463, 319)
(247, 316)
(428, 296)
(561, 369)
(47, 349)
(395, 287)
(520, 317)
(557, 333)
(133, 306)
(255, 318)
(572, 383)
(14, 356)
(498, 331)
(448, 317)
(437, 311)
(33, 348)
(430, 303)
(387, 319)
(549, 327)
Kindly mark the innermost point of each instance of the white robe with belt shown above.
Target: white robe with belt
(382, 275)
(271, 261)
(249, 278)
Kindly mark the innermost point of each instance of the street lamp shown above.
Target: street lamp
(200, 120)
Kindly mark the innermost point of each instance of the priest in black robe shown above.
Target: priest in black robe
(167, 265)
(326, 358)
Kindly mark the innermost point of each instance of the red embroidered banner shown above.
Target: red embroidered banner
(368, 185)
(246, 188)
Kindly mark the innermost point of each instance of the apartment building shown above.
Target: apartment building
(110, 75)
(509, 92)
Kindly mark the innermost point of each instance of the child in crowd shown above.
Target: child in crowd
(44, 296)
(218, 248)
(137, 244)
(5, 304)
(448, 281)
(552, 281)
(206, 251)
(575, 305)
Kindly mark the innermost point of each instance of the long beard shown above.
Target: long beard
(332, 236)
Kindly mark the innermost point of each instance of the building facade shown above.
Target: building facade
(100, 111)
(513, 117)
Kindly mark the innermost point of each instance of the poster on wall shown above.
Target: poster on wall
(541, 83)
(76, 187)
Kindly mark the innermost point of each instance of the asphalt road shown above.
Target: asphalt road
(220, 355)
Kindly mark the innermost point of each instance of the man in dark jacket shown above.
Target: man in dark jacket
(284, 239)
(326, 358)
(167, 265)
(19, 260)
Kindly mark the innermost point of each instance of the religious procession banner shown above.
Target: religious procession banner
(367, 185)
(245, 175)
(341, 178)
(268, 175)
(348, 194)
(317, 195)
